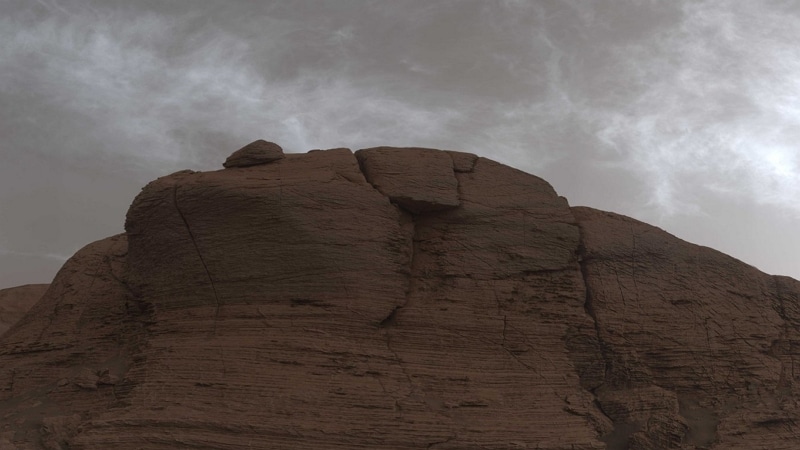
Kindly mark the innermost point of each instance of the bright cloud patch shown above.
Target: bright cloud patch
(713, 99)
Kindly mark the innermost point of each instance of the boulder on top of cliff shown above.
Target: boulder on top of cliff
(254, 153)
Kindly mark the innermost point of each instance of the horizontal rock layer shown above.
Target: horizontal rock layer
(403, 299)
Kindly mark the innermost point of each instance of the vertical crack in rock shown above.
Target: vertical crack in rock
(199, 255)
(781, 305)
(456, 173)
(391, 318)
(503, 342)
(511, 352)
(409, 208)
(458, 166)
(361, 167)
(588, 306)
(399, 361)
(619, 285)
(633, 267)
(13, 379)
(412, 262)
(778, 348)
(123, 283)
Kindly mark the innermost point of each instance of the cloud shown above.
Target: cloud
(687, 95)
(157, 108)
(712, 106)
(163, 90)
(50, 256)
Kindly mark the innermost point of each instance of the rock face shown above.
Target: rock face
(699, 348)
(398, 299)
(16, 301)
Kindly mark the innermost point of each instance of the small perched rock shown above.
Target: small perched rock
(254, 153)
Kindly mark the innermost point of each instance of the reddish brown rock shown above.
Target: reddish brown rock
(697, 346)
(86, 322)
(419, 299)
(254, 153)
(16, 301)
(417, 179)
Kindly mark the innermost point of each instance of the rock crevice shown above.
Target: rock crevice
(617, 437)
(199, 256)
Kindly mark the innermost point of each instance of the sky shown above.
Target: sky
(682, 114)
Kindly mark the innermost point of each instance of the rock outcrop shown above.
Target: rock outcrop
(16, 301)
(698, 347)
(399, 299)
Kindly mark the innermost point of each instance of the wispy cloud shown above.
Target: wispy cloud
(50, 256)
(164, 109)
(704, 98)
(713, 106)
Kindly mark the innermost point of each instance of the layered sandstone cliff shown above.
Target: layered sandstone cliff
(399, 299)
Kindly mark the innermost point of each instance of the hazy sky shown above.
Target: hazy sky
(683, 114)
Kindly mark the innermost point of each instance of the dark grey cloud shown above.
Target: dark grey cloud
(682, 114)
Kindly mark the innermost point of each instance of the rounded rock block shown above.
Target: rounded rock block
(254, 153)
